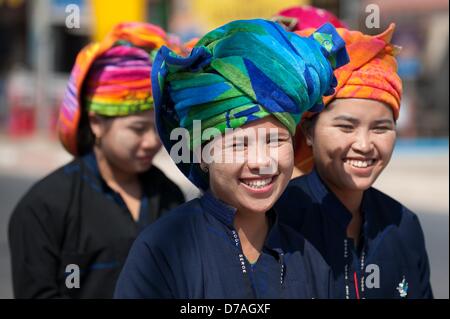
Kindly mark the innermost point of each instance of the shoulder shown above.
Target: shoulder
(295, 202)
(162, 255)
(50, 190)
(393, 212)
(45, 204)
(177, 227)
(170, 243)
(297, 191)
(57, 180)
(156, 179)
(299, 184)
(391, 206)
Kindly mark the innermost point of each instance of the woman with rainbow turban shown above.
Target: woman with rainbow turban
(373, 243)
(245, 77)
(87, 213)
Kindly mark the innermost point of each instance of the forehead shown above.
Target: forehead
(269, 123)
(361, 109)
(255, 130)
(145, 117)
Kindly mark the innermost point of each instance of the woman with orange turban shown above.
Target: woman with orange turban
(70, 234)
(374, 245)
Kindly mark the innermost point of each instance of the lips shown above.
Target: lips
(145, 158)
(258, 185)
(360, 163)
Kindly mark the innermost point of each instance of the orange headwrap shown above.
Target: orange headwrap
(371, 74)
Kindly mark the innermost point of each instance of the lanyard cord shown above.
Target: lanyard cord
(242, 262)
(355, 276)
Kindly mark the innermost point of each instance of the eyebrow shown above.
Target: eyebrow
(384, 121)
(356, 121)
(279, 134)
(346, 118)
(141, 122)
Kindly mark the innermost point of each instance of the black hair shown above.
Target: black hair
(85, 136)
(308, 124)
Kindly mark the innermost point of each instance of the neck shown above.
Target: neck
(252, 229)
(352, 201)
(113, 176)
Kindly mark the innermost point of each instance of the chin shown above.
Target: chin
(260, 208)
(142, 167)
(361, 184)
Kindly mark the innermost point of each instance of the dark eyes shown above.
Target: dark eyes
(272, 142)
(381, 129)
(349, 128)
(345, 127)
(276, 141)
(138, 130)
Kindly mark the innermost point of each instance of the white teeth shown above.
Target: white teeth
(360, 164)
(260, 183)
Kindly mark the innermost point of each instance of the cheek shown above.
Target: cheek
(329, 144)
(120, 145)
(125, 141)
(223, 175)
(385, 145)
(286, 159)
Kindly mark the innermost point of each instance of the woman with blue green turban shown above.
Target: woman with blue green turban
(235, 102)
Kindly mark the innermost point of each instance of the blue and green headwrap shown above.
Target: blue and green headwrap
(241, 72)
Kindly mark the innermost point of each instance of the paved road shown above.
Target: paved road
(418, 179)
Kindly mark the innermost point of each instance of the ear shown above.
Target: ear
(204, 167)
(307, 128)
(309, 140)
(96, 124)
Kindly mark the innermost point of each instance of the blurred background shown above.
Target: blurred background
(39, 41)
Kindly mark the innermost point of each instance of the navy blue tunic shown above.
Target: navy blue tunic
(391, 239)
(194, 252)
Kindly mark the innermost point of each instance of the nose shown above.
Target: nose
(261, 159)
(363, 142)
(150, 140)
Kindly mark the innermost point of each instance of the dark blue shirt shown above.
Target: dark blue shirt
(194, 252)
(392, 250)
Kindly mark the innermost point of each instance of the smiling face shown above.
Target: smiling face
(352, 143)
(129, 143)
(256, 167)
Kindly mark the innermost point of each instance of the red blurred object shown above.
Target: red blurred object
(53, 125)
(304, 17)
(22, 120)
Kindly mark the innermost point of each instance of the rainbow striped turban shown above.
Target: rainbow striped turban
(241, 72)
(370, 74)
(118, 82)
(111, 77)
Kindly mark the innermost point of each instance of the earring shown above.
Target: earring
(308, 142)
(97, 141)
(204, 168)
